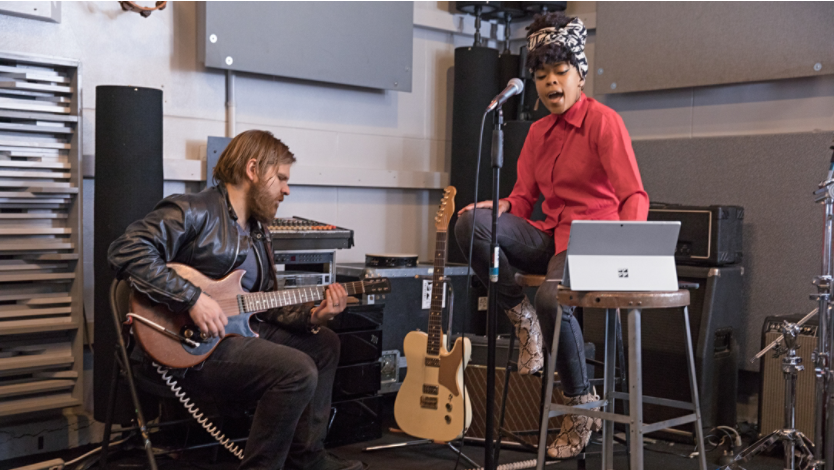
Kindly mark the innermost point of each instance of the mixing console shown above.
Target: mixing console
(296, 233)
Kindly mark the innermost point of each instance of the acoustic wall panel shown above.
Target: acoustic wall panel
(773, 178)
(365, 44)
(41, 291)
(643, 46)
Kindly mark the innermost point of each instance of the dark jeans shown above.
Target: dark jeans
(528, 249)
(291, 376)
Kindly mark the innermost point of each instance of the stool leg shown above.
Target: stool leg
(635, 389)
(608, 388)
(623, 374)
(693, 385)
(548, 391)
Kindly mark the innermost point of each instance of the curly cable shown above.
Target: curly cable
(521, 465)
(197, 414)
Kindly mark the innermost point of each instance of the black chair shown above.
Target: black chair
(139, 379)
(119, 307)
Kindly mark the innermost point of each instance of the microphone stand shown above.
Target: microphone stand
(492, 311)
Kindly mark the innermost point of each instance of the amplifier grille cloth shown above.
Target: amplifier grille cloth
(522, 403)
(773, 389)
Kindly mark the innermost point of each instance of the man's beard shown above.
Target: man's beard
(261, 206)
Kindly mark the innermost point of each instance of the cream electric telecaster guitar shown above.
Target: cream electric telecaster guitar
(432, 402)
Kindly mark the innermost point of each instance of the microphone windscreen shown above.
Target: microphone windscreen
(517, 83)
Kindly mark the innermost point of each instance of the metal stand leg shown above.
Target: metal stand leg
(420, 442)
(121, 353)
(693, 385)
(635, 389)
(608, 387)
(462, 455)
(548, 391)
(507, 370)
(111, 408)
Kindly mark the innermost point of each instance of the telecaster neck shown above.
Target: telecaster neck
(436, 314)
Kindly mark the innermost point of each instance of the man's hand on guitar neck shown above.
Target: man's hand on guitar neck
(208, 316)
(335, 300)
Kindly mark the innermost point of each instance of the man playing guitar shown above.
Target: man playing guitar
(289, 369)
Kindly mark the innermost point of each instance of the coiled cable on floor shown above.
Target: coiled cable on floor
(521, 465)
(195, 412)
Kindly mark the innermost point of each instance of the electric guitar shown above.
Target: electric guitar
(432, 402)
(173, 340)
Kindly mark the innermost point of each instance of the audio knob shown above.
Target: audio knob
(449, 407)
(448, 419)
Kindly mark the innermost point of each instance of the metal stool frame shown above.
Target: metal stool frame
(634, 302)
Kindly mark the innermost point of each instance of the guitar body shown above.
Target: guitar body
(440, 380)
(172, 353)
(170, 348)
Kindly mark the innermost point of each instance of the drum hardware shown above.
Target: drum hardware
(812, 456)
(793, 440)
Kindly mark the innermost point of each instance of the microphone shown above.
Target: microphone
(514, 87)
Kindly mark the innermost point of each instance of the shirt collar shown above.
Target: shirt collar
(576, 114)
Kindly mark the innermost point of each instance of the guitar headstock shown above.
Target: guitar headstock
(377, 285)
(446, 209)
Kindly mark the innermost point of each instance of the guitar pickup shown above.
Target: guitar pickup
(432, 362)
(428, 402)
(430, 389)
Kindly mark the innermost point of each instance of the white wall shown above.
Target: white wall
(325, 125)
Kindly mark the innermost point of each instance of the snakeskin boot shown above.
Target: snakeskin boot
(529, 334)
(576, 430)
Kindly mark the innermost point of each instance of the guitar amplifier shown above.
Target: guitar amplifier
(523, 410)
(772, 387)
(355, 411)
(356, 420)
(355, 380)
(523, 404)
(360, 346)
(709, 235)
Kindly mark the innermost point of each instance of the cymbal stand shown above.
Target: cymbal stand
(791, 439)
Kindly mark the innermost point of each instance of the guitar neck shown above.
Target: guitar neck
(260, 301)
(435, 330)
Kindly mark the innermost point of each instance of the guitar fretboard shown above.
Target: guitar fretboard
(260, 301)
(436, 313)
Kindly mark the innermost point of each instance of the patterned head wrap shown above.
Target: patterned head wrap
(572, 37)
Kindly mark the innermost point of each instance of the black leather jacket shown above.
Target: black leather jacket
(199, 230)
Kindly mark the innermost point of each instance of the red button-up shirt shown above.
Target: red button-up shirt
(583, 164)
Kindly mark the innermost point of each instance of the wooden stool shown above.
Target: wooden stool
(529, 280)
(634, 302)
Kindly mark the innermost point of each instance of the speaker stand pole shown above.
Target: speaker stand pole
(492, 314)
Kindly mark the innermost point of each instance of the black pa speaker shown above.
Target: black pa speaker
(128, 185)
